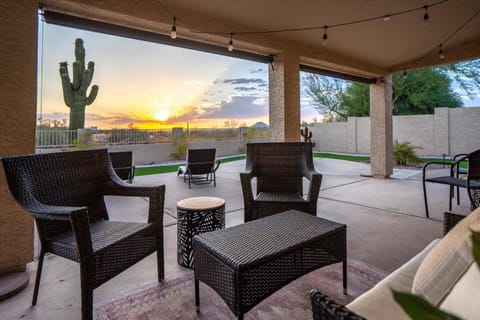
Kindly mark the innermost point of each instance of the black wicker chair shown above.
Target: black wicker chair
(279, 169)
(65, 192)
(471, 183)
(200, 167)
(122, 162)
(324, 308)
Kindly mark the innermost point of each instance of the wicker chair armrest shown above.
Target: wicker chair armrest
(156, 195)
(324, 308)
(246, 181)
(450, 220)
(49, 212)
(314, 189)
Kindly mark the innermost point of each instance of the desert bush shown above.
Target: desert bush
(404, 153)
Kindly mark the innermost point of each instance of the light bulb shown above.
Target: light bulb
(441, 55)
(230, 44)
(425, 16)
(325, 37)
(173, 34)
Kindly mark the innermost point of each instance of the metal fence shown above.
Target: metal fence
(60, 138)
(55, 138)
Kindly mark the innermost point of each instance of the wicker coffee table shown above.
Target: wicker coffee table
(247, 263)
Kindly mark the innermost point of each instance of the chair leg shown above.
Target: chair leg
(160, 264)
(197, 295)
(86, 280)
(37, 278)
(214, 179)
(450, 198)
(425, 198)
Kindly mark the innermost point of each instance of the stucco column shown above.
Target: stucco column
(18, 92)
(284, 98)
(381, 137)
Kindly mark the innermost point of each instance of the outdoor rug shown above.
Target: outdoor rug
(174, 299)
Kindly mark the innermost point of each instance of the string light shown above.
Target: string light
(425, 16)
(386, 17)
(230, 44)
(325, 37)
(173, 34)
(441, 55)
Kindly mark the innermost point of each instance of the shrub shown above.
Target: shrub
(404, 153)
(180, 147)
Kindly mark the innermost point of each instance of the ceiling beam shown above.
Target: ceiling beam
(465, 51)
(132, 33)
(340, 75)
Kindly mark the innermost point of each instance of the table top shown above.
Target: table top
(200, 203)
(271, 236)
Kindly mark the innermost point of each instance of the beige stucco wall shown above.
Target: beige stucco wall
(449, 131)
(18, 48)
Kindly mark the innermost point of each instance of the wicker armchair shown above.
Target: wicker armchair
(279, 169)
(324, 308)
(65, 192)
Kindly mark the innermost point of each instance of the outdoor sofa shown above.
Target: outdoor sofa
(444, 273)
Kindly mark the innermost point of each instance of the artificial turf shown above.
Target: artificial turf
(142, 171)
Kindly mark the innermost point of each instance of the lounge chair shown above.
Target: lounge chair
(122, 163)
(200, 167)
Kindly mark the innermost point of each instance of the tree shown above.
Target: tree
(414, 92)
(327, 94)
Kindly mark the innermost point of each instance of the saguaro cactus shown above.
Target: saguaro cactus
(307, 135)
(75, 93)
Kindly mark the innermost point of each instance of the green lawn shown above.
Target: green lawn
(142, 171)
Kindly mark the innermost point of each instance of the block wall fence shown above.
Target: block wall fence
(448, 131)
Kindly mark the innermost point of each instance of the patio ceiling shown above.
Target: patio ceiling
(368, 49)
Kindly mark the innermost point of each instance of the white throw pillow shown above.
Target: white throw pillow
(447, 262)
(463, 299)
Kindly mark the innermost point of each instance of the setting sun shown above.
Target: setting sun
(162, 115)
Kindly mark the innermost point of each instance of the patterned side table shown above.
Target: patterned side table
(194, 216)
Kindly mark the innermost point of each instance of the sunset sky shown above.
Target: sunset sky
(153, 86)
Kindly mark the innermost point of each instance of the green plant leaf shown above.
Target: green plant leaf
(419, 309)
(476, 246)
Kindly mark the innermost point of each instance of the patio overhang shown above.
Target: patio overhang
(392, 37)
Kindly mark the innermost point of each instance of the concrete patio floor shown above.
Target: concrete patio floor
(385, 220)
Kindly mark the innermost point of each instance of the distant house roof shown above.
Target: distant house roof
(260, 124)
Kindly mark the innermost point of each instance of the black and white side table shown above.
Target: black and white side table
(194, 216)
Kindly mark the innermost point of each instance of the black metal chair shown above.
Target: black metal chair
(122, 162)
(65, 192)
(279, 169)
(200, 167)
(471, 182)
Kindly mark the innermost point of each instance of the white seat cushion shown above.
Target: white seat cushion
(378, 302)
(463, 299)
(447, 262)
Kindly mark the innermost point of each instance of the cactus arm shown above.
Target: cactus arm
(66, 85)
(93, 94)
(77, 75)
(87, 78)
